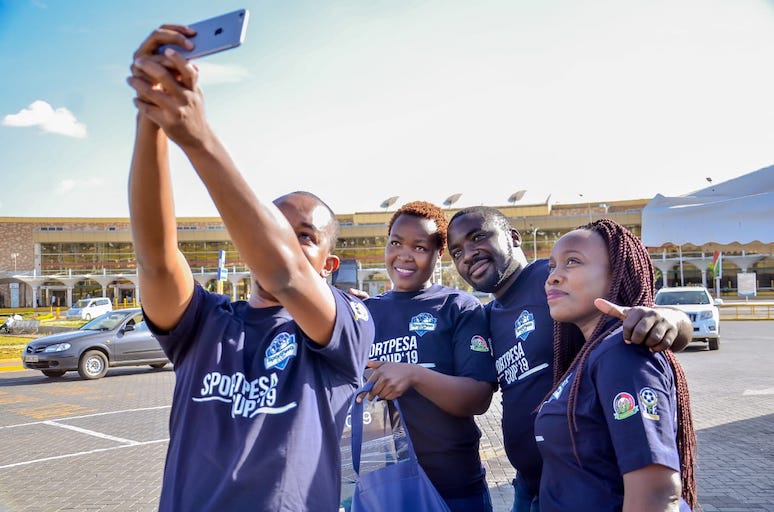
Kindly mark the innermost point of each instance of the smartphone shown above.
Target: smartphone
(215, 34)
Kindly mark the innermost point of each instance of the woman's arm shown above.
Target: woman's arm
(459, 396)
(654, 488)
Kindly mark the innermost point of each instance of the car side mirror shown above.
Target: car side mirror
(128, 328)
(718, 302)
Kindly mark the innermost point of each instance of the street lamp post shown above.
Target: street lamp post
(534, 241)
(588, 207)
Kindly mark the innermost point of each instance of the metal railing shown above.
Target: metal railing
(747, 311)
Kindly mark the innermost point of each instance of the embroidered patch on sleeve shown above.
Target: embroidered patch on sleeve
(359, 311)
(649, 403)
(624, 406)
(479, 344)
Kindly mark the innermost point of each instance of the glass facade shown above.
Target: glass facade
(118, 257)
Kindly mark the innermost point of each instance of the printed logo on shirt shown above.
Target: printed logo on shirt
(423, 323)
(359, 311)
(402, 349)
(479, 344)
(248, 398)
(649, 403)
(556, 394)
(524, 325)
(281, 349)
(624, 406)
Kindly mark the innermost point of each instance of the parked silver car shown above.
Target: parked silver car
(117, 338)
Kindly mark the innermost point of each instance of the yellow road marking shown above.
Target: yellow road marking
(9, 398)
(56, 410)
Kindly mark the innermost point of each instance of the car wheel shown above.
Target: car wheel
(714, 343)
(93, 365)
(158, 365)
(53, 373)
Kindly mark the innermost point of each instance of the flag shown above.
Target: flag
(717, 263)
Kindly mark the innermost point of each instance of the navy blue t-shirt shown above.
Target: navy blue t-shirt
(522, 340)
(258, 408)
(627, 419)
(444, 329)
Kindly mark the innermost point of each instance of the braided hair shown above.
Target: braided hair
(632, 284)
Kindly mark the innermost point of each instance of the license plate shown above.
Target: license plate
(30, 359)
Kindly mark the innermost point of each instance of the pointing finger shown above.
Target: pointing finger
(611, 309)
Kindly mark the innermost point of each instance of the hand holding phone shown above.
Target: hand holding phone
(215, 35)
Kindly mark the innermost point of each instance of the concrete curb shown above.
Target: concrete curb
(11, 365)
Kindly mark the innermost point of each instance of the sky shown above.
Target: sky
(361, 100)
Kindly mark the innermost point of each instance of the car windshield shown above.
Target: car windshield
(682, 297)
(106, 322)
(81, 303)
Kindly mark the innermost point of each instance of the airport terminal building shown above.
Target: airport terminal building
(47, 261)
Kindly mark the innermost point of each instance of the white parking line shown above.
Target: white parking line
(78, 454)
(92, 433)
(87, 416)
(125, 443)
(749, 392)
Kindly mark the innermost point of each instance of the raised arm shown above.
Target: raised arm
(165, 278)
(168, 95)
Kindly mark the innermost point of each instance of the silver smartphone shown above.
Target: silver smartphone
(215, 34)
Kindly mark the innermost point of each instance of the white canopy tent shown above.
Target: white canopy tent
(735, 213)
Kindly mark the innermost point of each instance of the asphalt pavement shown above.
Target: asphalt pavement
(73, 445)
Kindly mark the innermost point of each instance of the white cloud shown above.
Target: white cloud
(213, 74)
(64, 187)
(50, 120)
(67, 185)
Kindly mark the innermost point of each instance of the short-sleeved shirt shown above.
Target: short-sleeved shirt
(259, 408)
(522, 341)
(446, 330)
(627, 419)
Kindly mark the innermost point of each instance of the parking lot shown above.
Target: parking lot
(71, 444)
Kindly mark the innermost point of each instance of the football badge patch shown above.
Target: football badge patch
(282, 348)
(423, 323)
(479, 344)
(624, 406)
(649, 403)
(524, 325)
(359, 311)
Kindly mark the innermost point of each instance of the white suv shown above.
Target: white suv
(699, 305)
(86, 309)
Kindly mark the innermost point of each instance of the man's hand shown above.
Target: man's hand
(166, 87)
(357, 292)
(390, 380)
(642, 325)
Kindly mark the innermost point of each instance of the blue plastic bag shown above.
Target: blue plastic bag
(390, 478)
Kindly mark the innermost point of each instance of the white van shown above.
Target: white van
(86, 309)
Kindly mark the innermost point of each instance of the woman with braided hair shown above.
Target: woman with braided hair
(616, 431)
